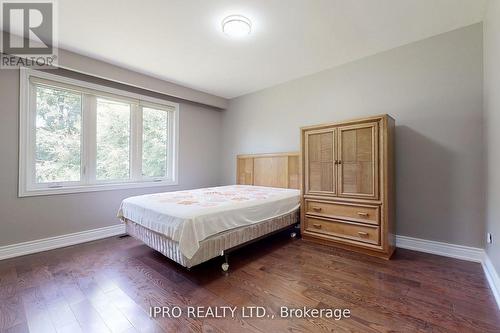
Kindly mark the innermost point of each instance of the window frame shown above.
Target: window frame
(88, 180)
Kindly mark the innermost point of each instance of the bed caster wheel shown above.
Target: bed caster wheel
(293, 235)
(225, 267)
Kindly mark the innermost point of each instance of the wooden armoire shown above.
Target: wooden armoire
(348, 187)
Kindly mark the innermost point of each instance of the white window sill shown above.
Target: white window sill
(93, 188)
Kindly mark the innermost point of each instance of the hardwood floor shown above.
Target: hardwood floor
(110, 285)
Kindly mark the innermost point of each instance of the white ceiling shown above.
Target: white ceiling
(181, 41)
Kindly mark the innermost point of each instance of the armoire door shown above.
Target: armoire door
(358, 161)
(320, 157)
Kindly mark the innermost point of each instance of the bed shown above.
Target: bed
(194, 226)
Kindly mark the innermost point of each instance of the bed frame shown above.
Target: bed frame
(272, 170)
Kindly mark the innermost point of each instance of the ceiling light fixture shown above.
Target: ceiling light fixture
(236, 26)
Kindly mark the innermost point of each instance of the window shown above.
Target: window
(155, 143)
(58, 134)
(113, 140)
(76, 136)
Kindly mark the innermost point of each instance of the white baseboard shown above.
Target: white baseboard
(492, 277)
(443, 249)
(40, 245)
(455, 251)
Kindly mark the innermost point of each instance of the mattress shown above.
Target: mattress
(189, 217)
(215, 245)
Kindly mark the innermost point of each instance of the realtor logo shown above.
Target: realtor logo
(28, 34)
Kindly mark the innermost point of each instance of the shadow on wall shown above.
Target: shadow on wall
(424, 186)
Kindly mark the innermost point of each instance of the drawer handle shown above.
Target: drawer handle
(317, 225)
(363, 214)
(317, 209)
(362, 234)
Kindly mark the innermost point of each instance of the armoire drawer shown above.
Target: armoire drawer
(352, 212)
(352, 231)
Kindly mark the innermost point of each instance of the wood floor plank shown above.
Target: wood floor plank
(72, 327)
(21, 328)
(345, 286)
(110, 285)
(11, 312)
(461, 291)
(103, 304)
(36, 311)
(136, 315)
(61, 314)
(88, 318)
(8, 275)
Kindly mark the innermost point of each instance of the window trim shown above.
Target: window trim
(90, 91)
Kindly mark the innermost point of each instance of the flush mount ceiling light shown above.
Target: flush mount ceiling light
(236, 26)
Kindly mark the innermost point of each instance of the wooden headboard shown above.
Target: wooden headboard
(273, 170)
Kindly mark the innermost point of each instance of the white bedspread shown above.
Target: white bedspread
(189, 217)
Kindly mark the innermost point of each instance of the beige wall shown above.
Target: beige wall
(434, 90)
(24, 219)
(492, 125)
